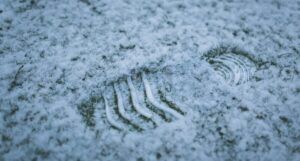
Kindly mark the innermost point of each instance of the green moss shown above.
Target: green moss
(87, 110)
(128, 47)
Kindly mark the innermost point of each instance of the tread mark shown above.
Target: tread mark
(122, 111)
(109, 116)
(120, 103)
(235, 69)
(170, 103)
(134, 100)
(154, 102)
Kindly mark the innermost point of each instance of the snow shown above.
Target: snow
(58, 58)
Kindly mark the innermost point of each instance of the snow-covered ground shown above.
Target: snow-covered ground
(149, 80)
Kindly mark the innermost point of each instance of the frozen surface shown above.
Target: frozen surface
(59, 59)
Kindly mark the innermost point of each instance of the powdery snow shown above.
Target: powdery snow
(58, 58)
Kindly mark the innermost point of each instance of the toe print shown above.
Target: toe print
(234, 66)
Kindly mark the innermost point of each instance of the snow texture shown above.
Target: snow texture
(228, 69)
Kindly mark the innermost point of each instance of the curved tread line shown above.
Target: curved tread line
(247, 63)
(242, 59)
(109, 116)
(228, 71)
(243, 65)
(121, 108)
(222, 71)
(170, 102)
(221, 65)
(223, 74)
(122, 111)
(153, 101)
(240, 66)
(234, 67)
(135, 102)
(157, 119)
